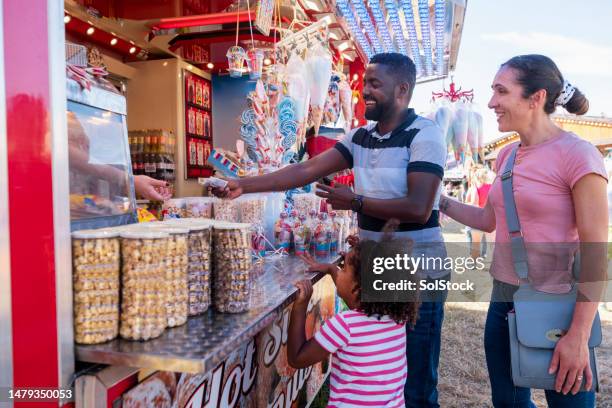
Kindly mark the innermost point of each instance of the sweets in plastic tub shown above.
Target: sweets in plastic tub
(252, 209)
(96, 285)
(143, 294)
(226, 210)
(199, 207)
(282, 233)
(232, 267)
(303, 203)
(173, 208)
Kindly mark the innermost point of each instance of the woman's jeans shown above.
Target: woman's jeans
(497, 351)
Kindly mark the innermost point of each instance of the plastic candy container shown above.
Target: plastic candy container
(143, 295)
(282, 233)
(322, 236)
(96, 285)
(232, 267)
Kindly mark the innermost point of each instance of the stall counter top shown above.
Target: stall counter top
(205, 340)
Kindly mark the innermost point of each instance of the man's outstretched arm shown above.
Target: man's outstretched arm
(295, 175)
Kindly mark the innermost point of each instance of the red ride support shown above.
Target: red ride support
(31, 135)
(356, 72)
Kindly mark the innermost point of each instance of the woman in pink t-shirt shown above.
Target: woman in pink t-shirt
(559, 183)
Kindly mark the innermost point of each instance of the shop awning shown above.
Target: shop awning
(429, 31)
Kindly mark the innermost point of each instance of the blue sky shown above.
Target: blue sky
(577, 35)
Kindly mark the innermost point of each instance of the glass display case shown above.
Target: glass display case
(101, 180)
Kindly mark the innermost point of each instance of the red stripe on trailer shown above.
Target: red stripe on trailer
(29, 144)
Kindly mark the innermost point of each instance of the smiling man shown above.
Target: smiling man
(398, 161)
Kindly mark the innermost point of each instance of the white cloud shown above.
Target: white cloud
(573, 56)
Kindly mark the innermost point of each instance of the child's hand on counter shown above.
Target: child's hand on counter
(304, 292)
(353, 240)
(314, 266)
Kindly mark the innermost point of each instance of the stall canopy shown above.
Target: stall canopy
(429, 31)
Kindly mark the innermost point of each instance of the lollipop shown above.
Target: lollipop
(248, 116)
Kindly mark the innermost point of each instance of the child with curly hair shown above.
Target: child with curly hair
(367, 342)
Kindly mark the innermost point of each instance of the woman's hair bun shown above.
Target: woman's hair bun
(578, 104)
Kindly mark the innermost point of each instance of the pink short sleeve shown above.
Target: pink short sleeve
(334, 335)
(582, 159)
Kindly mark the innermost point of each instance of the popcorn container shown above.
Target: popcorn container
(254, 60)
(96, 285)
(177, 291)
(232, 268)
(143, 294)
(235, 60)
(199, 263)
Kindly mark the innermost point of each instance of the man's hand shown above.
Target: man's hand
(231, 191)
(304, 292)
(151, 189)
(339, 196)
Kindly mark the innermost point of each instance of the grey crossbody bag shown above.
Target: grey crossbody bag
(539, 319)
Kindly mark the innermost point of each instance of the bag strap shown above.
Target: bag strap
(517, 242)
(519, 251)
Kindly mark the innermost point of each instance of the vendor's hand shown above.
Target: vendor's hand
(352, 240)
(151, 189)
(313, 265)
(304, 292)
(231, 191)
(571, 362)
(339, 196)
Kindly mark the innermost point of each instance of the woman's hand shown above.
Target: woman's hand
(571, 362)
(151, 189)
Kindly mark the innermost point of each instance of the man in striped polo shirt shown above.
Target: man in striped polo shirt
(398, 164)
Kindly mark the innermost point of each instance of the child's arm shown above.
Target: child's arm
(300, 352)
(314, 266)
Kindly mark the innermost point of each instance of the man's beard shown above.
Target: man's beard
(375, 113)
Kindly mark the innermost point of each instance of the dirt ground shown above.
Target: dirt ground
(464, 381)
(463, 377)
